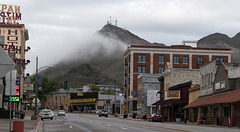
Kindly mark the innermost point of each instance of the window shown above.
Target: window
(161, 58)
(176, 59)
(141, 69)
(226, 111)
(185, 59)
(134, 105)
(161, 69)
(55, 101)
(141, 58)
(200, 60)
(219, 59)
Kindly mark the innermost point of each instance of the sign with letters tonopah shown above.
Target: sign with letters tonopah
(10, 14)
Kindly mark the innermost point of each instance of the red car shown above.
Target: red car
(155, 117)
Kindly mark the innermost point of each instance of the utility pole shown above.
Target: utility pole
(36, 84)
(115, 98)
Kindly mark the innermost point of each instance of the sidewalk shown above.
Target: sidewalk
(180, 123)
(29, 125)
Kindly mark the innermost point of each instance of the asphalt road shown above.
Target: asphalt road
(74, 122)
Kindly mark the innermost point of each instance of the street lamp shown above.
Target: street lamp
(36, 83)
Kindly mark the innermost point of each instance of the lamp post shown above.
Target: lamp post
(36, 84)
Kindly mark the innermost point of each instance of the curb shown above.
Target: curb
(35, 128)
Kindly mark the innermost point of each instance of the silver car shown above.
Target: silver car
(61, 113)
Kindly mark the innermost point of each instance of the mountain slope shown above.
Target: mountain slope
(218, 40)
(103, 66)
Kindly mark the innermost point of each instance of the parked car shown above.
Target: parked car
(46, 114)
(155, 117)
(103, 113)
(61, 113)
(97, 112)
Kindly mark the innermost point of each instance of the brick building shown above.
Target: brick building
(153, 59)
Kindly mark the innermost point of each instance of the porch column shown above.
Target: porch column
(172, 114)
(233, 114)
(220, 114)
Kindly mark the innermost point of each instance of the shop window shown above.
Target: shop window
(226, 111)
(134, 105)
(215, 112)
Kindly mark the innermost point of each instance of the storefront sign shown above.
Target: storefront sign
(82, 100)
(13, 99)
(28, 87)
(10, 14)
(80, 94)
(175, 94)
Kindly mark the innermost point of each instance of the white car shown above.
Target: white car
(98, 111)
(46, 114)
(61, 113)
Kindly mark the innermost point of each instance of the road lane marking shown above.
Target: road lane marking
(123, 128)
(71, 127)
(65, 123)
(173, 128)
(109, 124)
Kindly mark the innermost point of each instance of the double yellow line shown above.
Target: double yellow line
(173, 128)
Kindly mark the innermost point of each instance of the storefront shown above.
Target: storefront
(83, 102)
(175, 99)
(218, 109)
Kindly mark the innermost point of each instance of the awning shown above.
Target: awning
(229, 97)
(171, 102)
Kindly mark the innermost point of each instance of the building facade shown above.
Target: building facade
(13, 39)
(59, 99)
(153, 59)
(222, 106)
(148, 86)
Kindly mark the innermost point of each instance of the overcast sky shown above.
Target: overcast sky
(57, 27)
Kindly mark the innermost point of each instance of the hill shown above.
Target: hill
(104, 65)
(218, 40)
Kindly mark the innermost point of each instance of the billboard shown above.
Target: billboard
(152, 97)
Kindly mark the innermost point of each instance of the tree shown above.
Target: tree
(95, 88)
(47, 86)
(109, 92)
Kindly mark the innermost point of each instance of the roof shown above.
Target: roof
(178, 47)
(180, 85)
(64, 91)
(228, 97)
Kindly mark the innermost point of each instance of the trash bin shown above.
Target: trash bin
(18, 126)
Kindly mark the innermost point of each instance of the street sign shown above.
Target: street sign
(126, 107)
